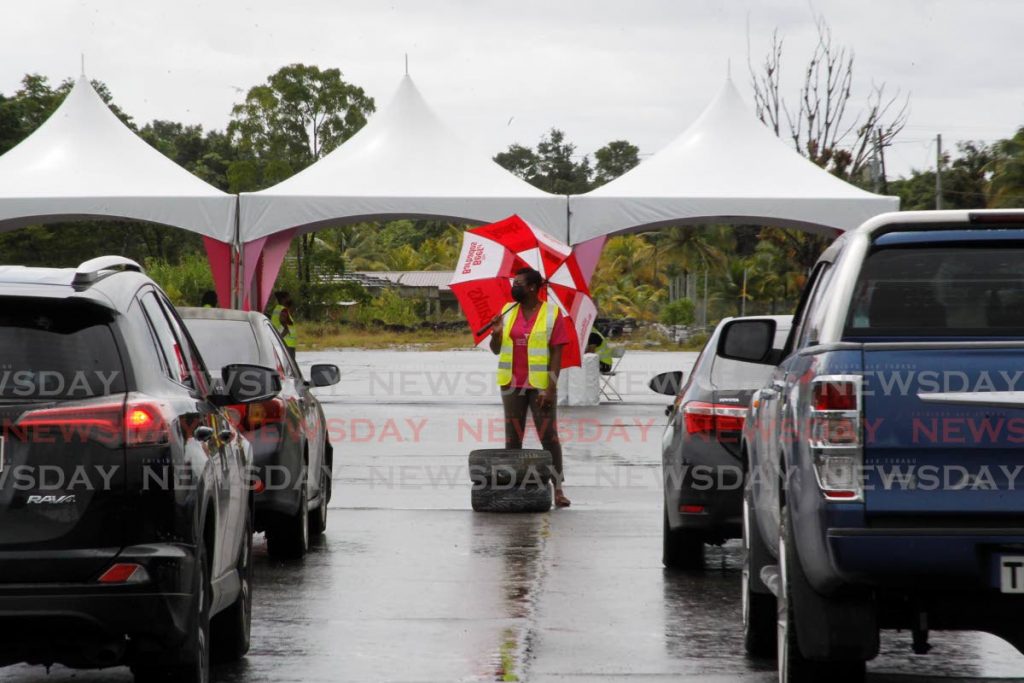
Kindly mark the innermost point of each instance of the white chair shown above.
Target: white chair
(608, 390)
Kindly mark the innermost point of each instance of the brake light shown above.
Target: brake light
(836, 436)
(103, 417)
(144, 424)
(131, 420)
(837, 395)
(704, 418)
(249, 416)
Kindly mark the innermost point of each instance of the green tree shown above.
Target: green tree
(965, 183)
(678, 312)
(614, 159)
(551, 167)
(299, 115)
(1006, 188)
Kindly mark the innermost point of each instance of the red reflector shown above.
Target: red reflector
(691, 509)
(258, 486)
(120, 573)
(843, 495)
(835, 396)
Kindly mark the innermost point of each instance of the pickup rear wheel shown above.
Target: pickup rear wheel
(792, 665)
(680, 548)
(759, 608)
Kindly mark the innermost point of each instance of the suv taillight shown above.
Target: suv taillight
(250, 416)
(131, 420)
(705, 418)
(836, 436)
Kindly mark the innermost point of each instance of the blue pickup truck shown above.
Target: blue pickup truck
(885, 455)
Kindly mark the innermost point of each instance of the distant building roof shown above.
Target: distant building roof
(426, 279)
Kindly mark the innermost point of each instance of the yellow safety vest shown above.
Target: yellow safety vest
(536, 346)
(275, 320)
(603, 350)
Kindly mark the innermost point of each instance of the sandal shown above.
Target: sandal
(560, 500)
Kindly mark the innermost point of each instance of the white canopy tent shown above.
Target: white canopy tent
(405, 163)
(727, 167)
(84, 163)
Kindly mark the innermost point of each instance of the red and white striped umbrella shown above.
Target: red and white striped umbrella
(491, 255)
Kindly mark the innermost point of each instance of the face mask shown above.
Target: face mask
(518, 293)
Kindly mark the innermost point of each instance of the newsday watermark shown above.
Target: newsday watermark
(56, 481)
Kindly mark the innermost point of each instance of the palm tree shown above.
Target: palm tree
(1006, 187)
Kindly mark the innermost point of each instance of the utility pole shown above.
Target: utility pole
(876, 168)
(743, 295)
(881, 159)
(938, 172)
(704, 309)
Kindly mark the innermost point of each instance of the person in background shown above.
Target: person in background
(528, 338)
(598, 343)
(282, 320)
(209, 299)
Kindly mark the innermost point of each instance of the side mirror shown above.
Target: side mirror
(244, 383)
(668, 383)
(749, 341)
(324, 375)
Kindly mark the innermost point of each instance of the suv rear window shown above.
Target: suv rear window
(56, 351)
(944, 291)
(222, 342)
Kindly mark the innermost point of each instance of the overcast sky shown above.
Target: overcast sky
(507, 71)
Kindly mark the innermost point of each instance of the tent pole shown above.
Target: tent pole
(568, 221)
(238, 272)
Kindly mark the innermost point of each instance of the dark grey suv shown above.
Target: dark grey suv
(125, 505)
(292, 455)
(702, 470)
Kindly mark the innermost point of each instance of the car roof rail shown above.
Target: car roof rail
(94, 270)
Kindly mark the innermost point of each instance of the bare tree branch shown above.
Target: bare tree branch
(821, 125)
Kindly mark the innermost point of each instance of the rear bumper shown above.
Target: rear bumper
(917, 557)
(721, 518)
(86, 625)
(277, 462)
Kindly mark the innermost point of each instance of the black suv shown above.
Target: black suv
(125, 501)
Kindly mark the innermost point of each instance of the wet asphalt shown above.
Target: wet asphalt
(410, 585)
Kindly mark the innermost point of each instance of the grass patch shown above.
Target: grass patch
(317, 337)
(323, 336)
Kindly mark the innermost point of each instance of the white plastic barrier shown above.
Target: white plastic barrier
(581, 386)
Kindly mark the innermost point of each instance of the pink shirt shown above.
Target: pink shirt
(519, 333)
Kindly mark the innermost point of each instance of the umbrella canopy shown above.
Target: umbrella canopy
(491, 256)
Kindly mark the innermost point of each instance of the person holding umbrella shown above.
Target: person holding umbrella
(528, 336)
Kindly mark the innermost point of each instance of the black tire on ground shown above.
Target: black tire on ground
(329, 464)
(502, 465)
(288, 537)
(190, 663)
(318, 516)
(792, 665)
(680, 548)
(527, 498)
(760, 613)
(231, 629)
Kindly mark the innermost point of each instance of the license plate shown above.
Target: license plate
(1011, 573)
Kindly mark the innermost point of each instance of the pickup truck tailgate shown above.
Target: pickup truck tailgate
(935, 443)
